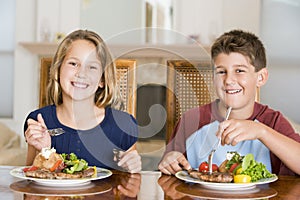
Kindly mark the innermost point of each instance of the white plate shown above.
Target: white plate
(101, 173)
(183, 175)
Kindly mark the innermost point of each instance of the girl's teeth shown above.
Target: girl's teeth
(80, 85)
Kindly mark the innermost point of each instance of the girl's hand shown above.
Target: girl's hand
(130, 161)
(234, 131)
(36, 134)
(173, 162)
(129, 185)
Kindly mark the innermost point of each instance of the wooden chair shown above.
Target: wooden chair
(126, 76)
(189, 85)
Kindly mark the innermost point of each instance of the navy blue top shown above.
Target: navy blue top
(117, 130)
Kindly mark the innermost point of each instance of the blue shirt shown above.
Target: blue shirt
(117, 130)
(200, 143)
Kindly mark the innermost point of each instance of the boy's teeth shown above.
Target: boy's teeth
(233, 91)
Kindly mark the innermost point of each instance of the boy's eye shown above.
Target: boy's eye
(220, 71)
(240, 70)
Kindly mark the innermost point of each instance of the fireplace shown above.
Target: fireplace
(151, 111)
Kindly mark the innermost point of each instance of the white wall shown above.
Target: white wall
(110, 18)
(209, 19)
(280, 31)
(27, 65)
(25, 69)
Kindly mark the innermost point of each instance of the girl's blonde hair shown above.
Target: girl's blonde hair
(109, 94)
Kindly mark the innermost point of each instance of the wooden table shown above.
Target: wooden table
(146, 185)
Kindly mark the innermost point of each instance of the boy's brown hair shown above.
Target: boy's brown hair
(242, 42)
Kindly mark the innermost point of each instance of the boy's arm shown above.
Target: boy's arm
(285, 148)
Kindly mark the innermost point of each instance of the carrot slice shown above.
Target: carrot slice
(56, 165)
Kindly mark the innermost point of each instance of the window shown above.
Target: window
(7, 32)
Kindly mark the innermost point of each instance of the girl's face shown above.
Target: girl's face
(235, 81)
(80, 73)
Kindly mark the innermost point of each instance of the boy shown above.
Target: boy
(239, 63)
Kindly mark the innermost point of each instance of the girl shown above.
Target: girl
(82, 93)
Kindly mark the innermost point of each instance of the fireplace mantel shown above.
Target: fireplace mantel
(164, 51)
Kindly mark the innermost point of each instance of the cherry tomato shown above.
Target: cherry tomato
(32, 168)
(203, 167)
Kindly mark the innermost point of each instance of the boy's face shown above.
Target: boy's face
(235, 80)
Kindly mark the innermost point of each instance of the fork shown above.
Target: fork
(117, 154)
(217, 144)
(56, 131)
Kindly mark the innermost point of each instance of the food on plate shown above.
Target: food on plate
(236, 168)
(218, 177)
(240, 178)
(244, 165)
(48, 159)
(50, 165)
(203, 167)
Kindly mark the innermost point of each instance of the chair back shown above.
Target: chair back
(126, 80)
(189, 85)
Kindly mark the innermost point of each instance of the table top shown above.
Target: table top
(145, 185)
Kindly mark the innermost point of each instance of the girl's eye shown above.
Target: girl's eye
(73, 64)
(93, 67)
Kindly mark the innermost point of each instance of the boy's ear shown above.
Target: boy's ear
(263, 76)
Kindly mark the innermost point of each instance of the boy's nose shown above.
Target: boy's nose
(230, 79)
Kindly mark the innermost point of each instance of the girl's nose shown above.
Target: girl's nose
(80, 72)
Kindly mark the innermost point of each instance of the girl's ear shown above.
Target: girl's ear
(263, 76)
(101, 84)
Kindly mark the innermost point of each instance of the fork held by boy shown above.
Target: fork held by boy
(217, 144)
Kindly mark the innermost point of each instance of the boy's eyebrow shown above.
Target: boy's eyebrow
(237, 65)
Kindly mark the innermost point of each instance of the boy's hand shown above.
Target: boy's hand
(173, 162)
(36, 134)
(234, 131)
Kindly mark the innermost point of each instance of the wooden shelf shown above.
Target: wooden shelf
(172, 51)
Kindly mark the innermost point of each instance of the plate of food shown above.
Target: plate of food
(53, 169)
(236, 172)
(185, 176)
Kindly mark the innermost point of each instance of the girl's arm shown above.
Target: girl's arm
(31, 153)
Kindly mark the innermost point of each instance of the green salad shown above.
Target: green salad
(247, 165)
(73, 164)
